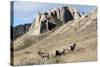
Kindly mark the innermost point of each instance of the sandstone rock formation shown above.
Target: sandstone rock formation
(47, 21)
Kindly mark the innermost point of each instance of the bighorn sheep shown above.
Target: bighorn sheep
(72, 47)
(60, 52)
(43, 54)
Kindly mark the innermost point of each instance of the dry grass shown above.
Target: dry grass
(83, 32)
(34, 59)
(26, 42)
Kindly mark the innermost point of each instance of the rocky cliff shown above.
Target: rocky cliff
(47, 21)
(20, 30)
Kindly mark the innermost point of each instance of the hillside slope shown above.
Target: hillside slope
(82, 31)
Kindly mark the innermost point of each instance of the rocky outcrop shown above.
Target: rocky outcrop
(19, 30)
(47, 21)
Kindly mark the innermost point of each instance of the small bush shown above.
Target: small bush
(53, 60)
(26, 42)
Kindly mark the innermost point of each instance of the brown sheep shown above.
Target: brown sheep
(72, 47)
(60, 52)
(43, 54)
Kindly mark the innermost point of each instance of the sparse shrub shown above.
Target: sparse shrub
(53, 60)
(27, 52)
(26, 42)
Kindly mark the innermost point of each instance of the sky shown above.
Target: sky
(26, 11)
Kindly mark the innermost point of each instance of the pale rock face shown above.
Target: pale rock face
(44, 22)
(65, 14)
(36, 25)
(76, 14)
(58, 13)
(48, 20)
